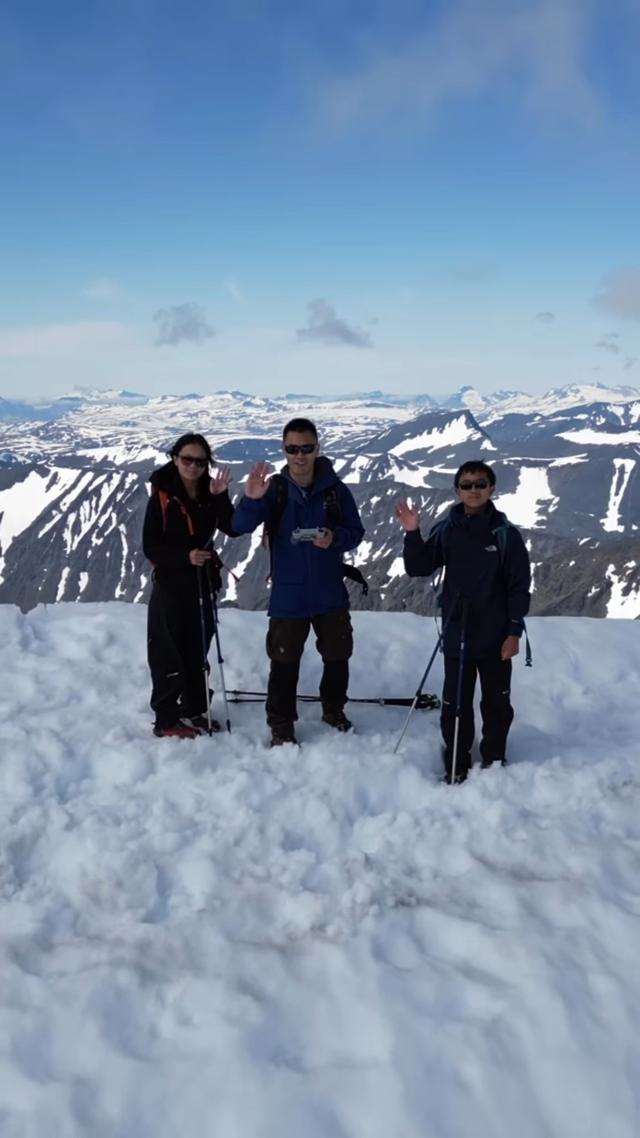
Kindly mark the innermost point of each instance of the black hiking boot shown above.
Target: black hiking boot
(336, 718)
(282, 734)
(486, 763)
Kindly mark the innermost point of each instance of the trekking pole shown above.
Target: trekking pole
(205, 660)
(214, 616)
(419, 691)
(456, 730)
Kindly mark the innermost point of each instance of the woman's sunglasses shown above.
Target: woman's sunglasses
(189, 460)
(303, 448)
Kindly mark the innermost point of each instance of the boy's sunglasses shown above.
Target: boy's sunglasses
(302, 448)
(189, 460)
(477, 484)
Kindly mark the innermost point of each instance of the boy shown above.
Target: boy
(484, 601)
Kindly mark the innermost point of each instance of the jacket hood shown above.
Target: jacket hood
(491, 517)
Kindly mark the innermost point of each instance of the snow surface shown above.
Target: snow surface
(454, 432)
(623, 468)
(212, 939)
(523, 506)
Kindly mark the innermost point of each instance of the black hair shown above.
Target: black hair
(301, 427)
(189, 439)
(475, 467)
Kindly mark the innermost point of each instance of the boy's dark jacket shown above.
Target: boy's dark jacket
(166, 538)
(306, 581)
(496, 584)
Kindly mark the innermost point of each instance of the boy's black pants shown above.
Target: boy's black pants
(285, 643)
(495, 709)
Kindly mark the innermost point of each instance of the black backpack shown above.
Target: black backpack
(333, 515)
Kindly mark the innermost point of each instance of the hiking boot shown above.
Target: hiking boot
(200, 724)
(336, 718)
(463, 766)
(283, 734)
(486, 763)
(176, 731)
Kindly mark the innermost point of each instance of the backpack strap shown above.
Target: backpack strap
(164, 508)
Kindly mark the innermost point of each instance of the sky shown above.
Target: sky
(216, 938)
(298, 197)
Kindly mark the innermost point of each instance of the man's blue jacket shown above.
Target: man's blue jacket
(489, 570)
(306, 581)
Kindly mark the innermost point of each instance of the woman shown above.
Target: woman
(185, 508)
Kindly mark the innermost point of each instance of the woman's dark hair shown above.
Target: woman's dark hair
(300, 427)
(473, 467)
(187, 440)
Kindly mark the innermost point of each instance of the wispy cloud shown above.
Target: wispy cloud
(45, 339)
(233, 288)
(609, 346)
(545, 317)
(103, 289)
(630, 361)
(534, 52)
(324, 326)
(182, 322)
(620, 293)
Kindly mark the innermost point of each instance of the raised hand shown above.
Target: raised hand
(257, 483)
(221, 480)
(408, 517)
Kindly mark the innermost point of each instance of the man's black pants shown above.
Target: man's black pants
(495, 709)
(285, 644)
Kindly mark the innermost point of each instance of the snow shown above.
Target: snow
(454, 432)
(624, 600)
(622, 468)
(523, 506)
(603, 438)
(213, 938)
(22, 502)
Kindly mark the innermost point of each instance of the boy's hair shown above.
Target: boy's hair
(301, 427)
(473, 467)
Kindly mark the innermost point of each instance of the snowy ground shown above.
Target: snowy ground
(212, 939)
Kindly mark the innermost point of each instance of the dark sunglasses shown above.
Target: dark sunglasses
(478, 484)
(189, 460)
(303, 448)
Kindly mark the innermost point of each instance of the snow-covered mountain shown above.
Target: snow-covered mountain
(73, 488)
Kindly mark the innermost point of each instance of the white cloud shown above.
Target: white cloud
(103, 289)
(42, 339)
(532, 51)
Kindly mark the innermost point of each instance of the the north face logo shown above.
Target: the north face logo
(491, 548)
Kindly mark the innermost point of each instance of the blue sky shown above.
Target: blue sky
(337, 197)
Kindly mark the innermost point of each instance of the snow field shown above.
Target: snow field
(214, 938)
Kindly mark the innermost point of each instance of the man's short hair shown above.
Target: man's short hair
(473, 467)
(301, 427)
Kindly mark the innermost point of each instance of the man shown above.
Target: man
(485, 599)
(307, 575)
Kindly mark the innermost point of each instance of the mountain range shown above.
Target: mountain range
(74, 471)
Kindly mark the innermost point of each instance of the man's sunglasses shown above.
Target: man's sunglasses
(478, 484)
(302, 448)
(189, 460)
